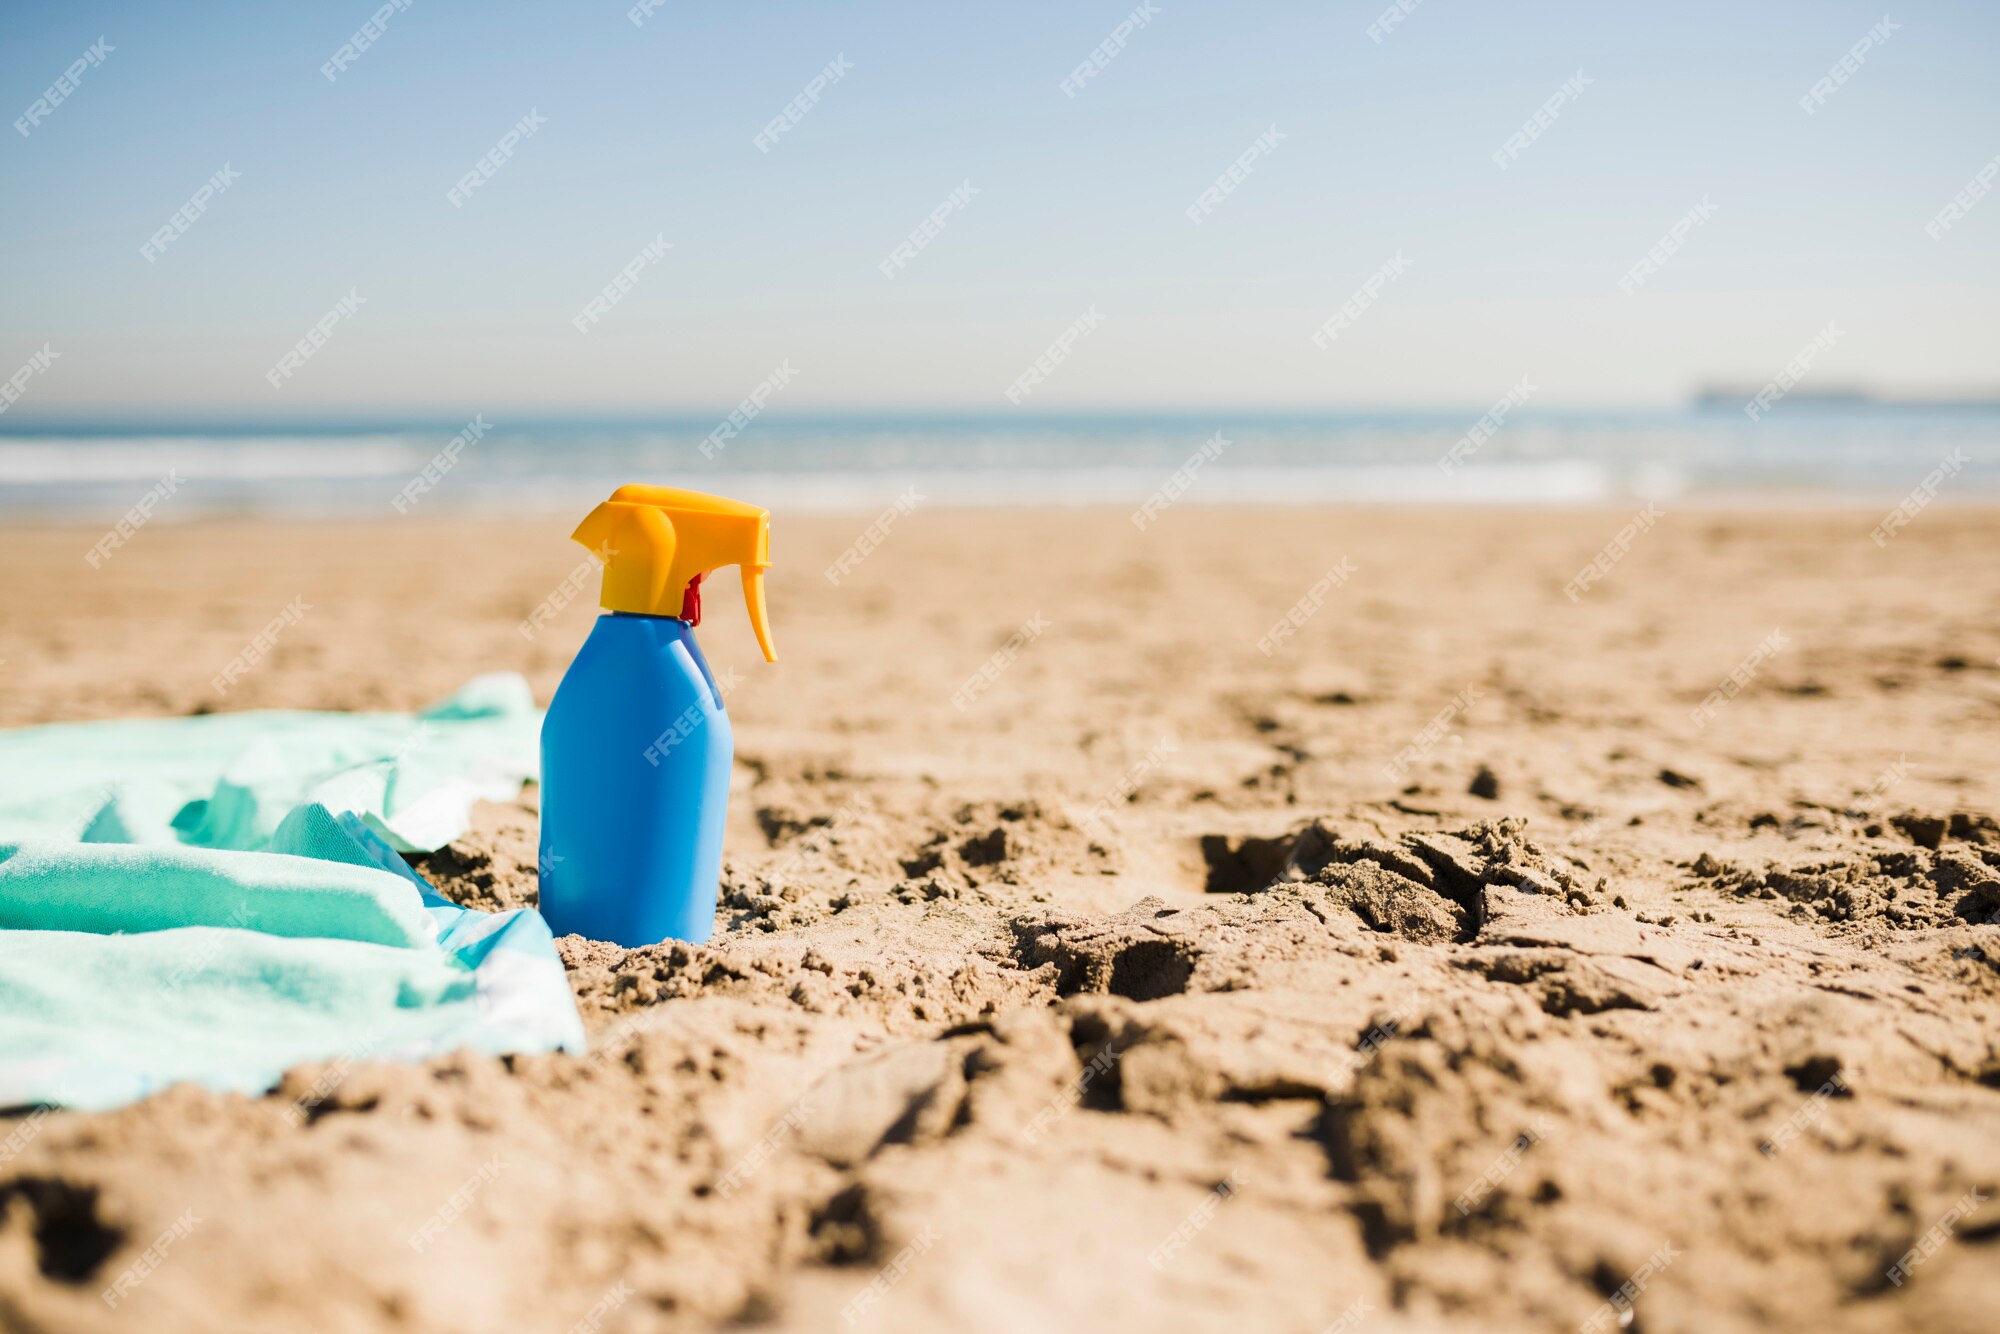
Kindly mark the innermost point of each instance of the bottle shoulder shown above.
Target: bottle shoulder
(645, 665)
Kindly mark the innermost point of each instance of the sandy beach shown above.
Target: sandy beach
(1276, 919)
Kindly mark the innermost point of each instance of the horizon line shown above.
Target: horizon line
(1705, 401)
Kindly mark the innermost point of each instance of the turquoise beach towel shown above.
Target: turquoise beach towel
(225, 780)
(219, 899)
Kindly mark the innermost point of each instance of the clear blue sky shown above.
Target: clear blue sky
(1387, 147)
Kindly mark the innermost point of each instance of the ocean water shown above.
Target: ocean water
(1861, 452)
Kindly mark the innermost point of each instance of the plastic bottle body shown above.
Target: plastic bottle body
(636, 754)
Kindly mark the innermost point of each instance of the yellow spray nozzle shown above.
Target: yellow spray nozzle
(657, 543)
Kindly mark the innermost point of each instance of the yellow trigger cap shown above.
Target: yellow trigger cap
(657, 543)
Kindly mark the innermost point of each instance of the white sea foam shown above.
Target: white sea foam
(854, 463)
(57, 459)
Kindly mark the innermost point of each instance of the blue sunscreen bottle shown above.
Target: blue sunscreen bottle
(637, 747)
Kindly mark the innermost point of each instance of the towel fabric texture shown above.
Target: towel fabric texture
(220, 898)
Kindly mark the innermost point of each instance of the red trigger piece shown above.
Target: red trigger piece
(691, 602)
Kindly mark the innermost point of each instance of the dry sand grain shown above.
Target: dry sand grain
(1140, 993)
